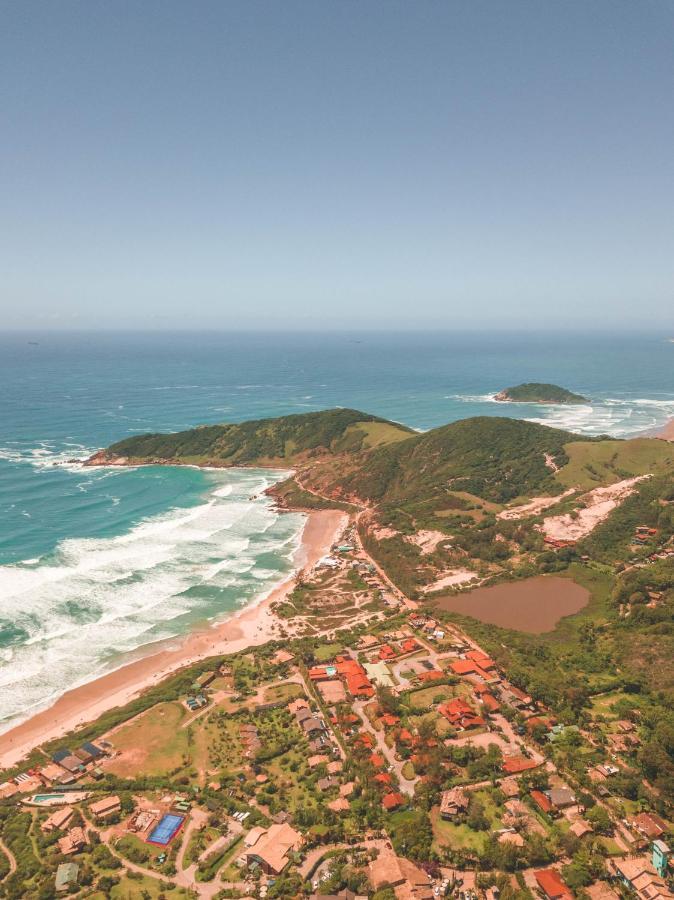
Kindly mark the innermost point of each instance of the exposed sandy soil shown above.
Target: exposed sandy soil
(667, 433)
(550, 462)
(252, 626)
(427, 541)
(599, 503)
(449, 579)
(534, 605)
(533, 508)
(381, 532)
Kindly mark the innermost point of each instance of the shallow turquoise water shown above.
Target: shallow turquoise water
(95, 563)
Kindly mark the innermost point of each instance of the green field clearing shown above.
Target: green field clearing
(601, 705)
(605, 462)
(153, 743)
(326, 652)
(278, 692)
(460, 836)
(426, 698)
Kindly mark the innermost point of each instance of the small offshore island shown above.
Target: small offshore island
(469, 681)
(537, 392)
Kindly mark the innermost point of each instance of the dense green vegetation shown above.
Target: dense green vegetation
(493, 458)
(283, 440)
(536, 392)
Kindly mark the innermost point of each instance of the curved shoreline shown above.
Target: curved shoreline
(254, 624)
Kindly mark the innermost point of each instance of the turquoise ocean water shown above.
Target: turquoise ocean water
(94, 564)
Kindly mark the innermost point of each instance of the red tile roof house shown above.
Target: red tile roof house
(515, 764)
(490, 703)
(482, 659)
(354, 674)
(551, 885)
(388, 652)
(542, 802)
(389, 720)
(320, 673)
(377, 760)
(432, 675)
(392, 801)
(460, 714)
(470, 667)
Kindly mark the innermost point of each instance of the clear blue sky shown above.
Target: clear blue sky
(314, 164)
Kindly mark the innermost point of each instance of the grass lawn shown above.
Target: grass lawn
(426, 698)
(460, 836)
(326, 652)
(457, 837)
(153, 743)
(408, 770)
(286, 692)
(216, 744)
(135, 889)
(611, 847)
(288, 773)
(613, 460)
(601, 705)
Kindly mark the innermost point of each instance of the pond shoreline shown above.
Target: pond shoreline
(534, 605)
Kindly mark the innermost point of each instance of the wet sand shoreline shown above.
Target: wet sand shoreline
(252, 625)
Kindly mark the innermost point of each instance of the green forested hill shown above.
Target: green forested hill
(496, 459)
(537, 392)
(286, 440)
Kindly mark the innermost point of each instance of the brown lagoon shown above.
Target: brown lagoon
(534, 605)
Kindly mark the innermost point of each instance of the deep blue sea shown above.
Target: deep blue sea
(96, 563)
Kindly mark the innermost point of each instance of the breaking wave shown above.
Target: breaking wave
(616, 416)
(74, 613)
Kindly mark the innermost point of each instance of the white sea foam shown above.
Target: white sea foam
(619, 417)
(92, 600)
(47, 455)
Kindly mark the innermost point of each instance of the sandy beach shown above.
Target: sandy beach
(667, 433)
(255, 624)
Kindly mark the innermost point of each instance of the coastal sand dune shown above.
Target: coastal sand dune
(599, 503)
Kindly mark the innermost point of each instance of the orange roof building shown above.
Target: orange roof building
(552, 885)
(392, 801)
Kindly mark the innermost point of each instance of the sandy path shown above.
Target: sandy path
(535, 506)
(599, 503)
(254, 625)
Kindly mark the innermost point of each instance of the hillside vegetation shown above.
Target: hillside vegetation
(284, 440)
(537, 392)
(492, 458)
(594, 464)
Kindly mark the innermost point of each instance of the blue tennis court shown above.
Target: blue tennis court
(164, 832)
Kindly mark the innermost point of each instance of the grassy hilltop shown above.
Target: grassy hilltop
(285, 440)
